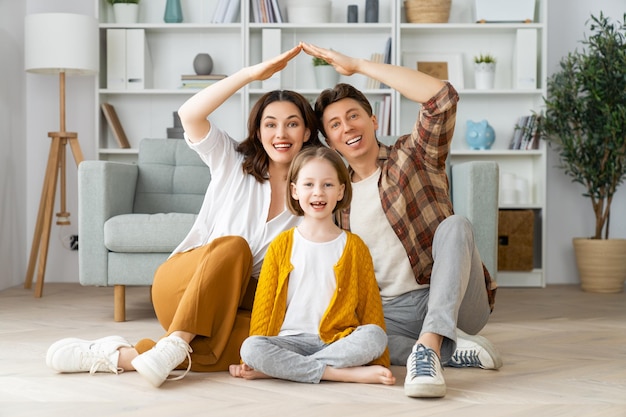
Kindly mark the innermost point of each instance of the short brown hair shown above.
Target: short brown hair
(256, 161)
(320, 153)
(333, 95)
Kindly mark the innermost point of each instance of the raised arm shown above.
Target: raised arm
(412, 84)
(195, 111)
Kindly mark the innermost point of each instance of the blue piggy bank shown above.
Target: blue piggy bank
(479, 135)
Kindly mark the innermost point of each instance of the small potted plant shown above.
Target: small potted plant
(325, 74)
(584, 120)
(125, 11)
(484, 71)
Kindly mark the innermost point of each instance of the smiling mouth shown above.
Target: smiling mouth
(354, 140)
(318, 204)
(282, 146)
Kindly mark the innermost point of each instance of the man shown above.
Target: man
(431, 277)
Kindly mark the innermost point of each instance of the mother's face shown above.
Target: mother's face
(282, 131)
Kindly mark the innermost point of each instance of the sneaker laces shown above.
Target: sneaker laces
(423, 362)
(99, 361)
(171, 357)
(467, 358)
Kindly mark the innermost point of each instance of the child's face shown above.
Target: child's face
(317, 188)
(282, 131)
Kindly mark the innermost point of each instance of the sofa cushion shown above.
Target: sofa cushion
(145, 233)
(172, 178)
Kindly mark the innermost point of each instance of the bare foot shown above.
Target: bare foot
(374, 374)
(246, 372)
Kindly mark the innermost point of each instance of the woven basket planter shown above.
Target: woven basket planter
(427, 11)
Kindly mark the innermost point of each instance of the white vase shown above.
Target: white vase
(484, 75)
(126, 13)
(325, 76)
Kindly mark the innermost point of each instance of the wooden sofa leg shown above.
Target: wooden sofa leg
(119, 303)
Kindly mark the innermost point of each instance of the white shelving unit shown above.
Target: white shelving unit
(173, 46)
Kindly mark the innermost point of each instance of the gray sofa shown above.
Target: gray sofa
(132, 216)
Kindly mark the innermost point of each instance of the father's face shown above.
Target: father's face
(350, 130)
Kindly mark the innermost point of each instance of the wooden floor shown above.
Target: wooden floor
(564, 354)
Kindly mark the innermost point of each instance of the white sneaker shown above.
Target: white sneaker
(424, 374)
(78, 355)
(474, 351)
(156, 364)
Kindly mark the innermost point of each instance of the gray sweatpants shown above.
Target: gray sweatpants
(303, 358)
(456, 298)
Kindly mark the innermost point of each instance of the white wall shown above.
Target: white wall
(570, 214)
(25, 121)
(13, 145)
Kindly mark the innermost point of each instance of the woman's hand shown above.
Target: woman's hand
(266, 69)
(343, 64)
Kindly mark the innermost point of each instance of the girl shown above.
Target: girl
(202, 292)
(317, 313)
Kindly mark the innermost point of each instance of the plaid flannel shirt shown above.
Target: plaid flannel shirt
(413, 185)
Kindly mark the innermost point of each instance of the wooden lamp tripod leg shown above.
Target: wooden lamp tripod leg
(44, 218)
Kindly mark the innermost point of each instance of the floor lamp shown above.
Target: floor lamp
(57, 43)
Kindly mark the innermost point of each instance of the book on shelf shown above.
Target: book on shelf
(382, 110)
(186, 77)
(197, 83)
(114, 123)
(387, 58)
(226, 11)
(371, 82)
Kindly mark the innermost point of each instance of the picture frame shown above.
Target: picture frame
(448, 67)
(114, 123)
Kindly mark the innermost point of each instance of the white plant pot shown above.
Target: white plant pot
(484, 75)
(325, 76)
(308, 11)
(126, 12)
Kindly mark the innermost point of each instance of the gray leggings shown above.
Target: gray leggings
(303, 358)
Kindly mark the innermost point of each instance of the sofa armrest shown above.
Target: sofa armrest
(105, 189)
(475, 187)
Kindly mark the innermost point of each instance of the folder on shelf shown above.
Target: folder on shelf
(270, 47)
(116, 59)
(114, 123)
(128, 60)
(138, 62)
(525, 59)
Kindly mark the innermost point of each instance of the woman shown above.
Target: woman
(201, 292)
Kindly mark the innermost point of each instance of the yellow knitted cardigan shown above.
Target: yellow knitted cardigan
(356, 300)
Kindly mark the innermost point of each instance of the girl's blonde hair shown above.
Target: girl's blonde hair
(335, 160)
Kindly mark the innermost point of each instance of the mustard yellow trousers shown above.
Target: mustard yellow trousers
(206, 291)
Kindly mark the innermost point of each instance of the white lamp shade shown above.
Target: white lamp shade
(61, 42)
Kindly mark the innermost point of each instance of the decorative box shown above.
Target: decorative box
(504, 10)
(515, 240)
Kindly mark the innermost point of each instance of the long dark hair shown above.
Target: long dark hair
(256, 161)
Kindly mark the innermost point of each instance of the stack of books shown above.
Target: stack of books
(199, 81)
(526, 134)
(266, 11)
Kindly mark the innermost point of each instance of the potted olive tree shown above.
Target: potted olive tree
(584, 120)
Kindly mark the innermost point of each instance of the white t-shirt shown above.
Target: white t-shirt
(367, 219)
(312, 283)
(235, 203)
